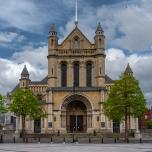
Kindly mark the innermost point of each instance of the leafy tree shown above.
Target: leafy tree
(2, 106)
(149, 124)
(125, 99)
(24, 104)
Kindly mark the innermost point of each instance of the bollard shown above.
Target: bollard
(73, 139)
(89, 140)
(76, 140)
(64, 140)
(115, 140)
(1, 140)
(39, 139)
(26, 140)
(102, 140)
(127, 140)
(14, 140)
(140, 140)
(51, 140)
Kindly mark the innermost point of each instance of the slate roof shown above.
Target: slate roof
(99, 28)
(43, 81)
(108, 79)
(25, 71)
(128, 69)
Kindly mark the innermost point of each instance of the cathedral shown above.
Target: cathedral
(75, 88)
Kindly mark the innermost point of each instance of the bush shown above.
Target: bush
(149, 124)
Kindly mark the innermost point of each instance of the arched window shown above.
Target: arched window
(63, 74)
(76, 74)
(76, 43)
(89, 74)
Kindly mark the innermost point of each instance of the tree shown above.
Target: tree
(125, 99)
(149, 124)
(24, 104)
(2, 106)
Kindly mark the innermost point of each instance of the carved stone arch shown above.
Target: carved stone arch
(76, 113)
(70, 97)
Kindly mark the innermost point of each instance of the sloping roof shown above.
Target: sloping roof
(43, 81)
(76, 29)
(15, 88)
(128, 69)
(99, 28)
(25, 71)
(108, 79)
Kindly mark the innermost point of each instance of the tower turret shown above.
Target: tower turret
(52, 38)
(24, 81)
(128, 70)
(99, 37)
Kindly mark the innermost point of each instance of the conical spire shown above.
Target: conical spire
(128, 70)
(53, 31)
(25, 73)
(99, 29)
(53, 28)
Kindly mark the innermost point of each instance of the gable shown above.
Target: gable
(81, 41)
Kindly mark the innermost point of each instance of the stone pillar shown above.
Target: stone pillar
(59, 74)
(69, 74)
(50, 110)
(102, 116)
(82, 74)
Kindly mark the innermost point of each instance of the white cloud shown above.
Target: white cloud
(7, 37)
(22, 14)
(35, 60)
(116, 62)
(127, 26)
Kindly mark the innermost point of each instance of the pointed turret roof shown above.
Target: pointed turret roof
(99, 28)
(53, 28)
(128, 69)
(25, 71)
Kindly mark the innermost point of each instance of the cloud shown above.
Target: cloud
(116, 62)
(24, 14)
(35, 60)
(8, 37)
(126, 25)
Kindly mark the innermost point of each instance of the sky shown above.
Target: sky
(24, 27)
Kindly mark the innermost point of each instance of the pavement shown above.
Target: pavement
(75, 147)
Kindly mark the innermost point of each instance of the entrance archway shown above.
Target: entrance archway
(76, 114)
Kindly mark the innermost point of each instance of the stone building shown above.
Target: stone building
(76, 86)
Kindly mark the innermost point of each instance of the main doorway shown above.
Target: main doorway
(76, 123)
(76, 117)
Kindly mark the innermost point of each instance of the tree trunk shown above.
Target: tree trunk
(126, 124)
(23, 125)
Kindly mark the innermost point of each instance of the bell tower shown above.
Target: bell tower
(99, 37)
(100, 60)
(52, 48)
(24, 81)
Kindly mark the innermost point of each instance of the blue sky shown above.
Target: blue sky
(24, 27)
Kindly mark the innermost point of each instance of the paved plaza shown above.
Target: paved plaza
(75, 147)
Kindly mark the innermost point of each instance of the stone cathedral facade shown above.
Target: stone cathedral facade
(75, 88)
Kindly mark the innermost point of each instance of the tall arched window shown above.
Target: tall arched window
(76, 74)
(63, 74)
(89, 74)
(76, 43)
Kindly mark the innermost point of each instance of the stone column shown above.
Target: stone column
(69, 74)
(50, 110)
(82, 74)
(102, 116)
